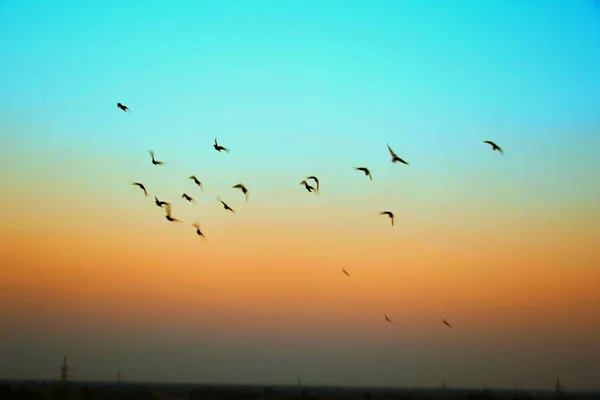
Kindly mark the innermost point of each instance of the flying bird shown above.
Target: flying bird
(365, 170)
(196, 181)
(198, 231)
(220, 148)
(141, 187)
(345, 272)
(123, 107)
(307, 186)
(314, 178)
(188, 198)
(153, 159)
(169, 217)
(387, 318)
(160, 203)
(446, 323)
(225, 206)
(242, 188)
(395, 157)
(495, 147)
(389, 214)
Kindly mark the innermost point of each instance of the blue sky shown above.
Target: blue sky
(312, 80)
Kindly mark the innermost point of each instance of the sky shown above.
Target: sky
(504, 247)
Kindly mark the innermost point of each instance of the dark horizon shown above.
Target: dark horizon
(76, 382)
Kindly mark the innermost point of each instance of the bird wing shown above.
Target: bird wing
(391, 152)
(168, 209)
(151, 153)
(196, 225)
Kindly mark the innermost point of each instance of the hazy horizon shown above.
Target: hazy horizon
(504, 247)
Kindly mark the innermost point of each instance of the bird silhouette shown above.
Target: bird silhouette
(345, 272)
(198, 231)
(495, 147)
(387, 318)
(225, 206)
(123, 107)
(365, 170)
(314, 178)
(188, 198)
(153, 159)
(141, 186)
(242, 188)
(446, 323)
(395, 157)
(307, 186)
(169, 217)
(196, 181)
(389, 214)
(220, 148)
(160, 203)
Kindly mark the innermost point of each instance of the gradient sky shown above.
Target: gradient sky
(506, 248)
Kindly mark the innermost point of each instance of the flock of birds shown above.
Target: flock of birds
(310, 188)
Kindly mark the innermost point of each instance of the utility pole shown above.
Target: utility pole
(444, 386)
(64, 379)
(119, 377)
(557, 386)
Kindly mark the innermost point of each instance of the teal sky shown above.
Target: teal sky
(293, 87)
(433, 78)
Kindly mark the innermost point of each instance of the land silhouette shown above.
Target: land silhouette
(82, 390)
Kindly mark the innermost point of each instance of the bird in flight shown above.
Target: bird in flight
(153, 159)
(160, 203)
(314, 178)
(307, 186)
(123, 107)
(196, 181)
(169, 217)
(495, 147)
(365, 170)
(242, 188)
(225, 206)
(198, 231)
(141, 187)
(446, 323)
(389, 214)
(188, 198)
(387, 318)
(395, 157)
(345, 272)
(220, 148)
